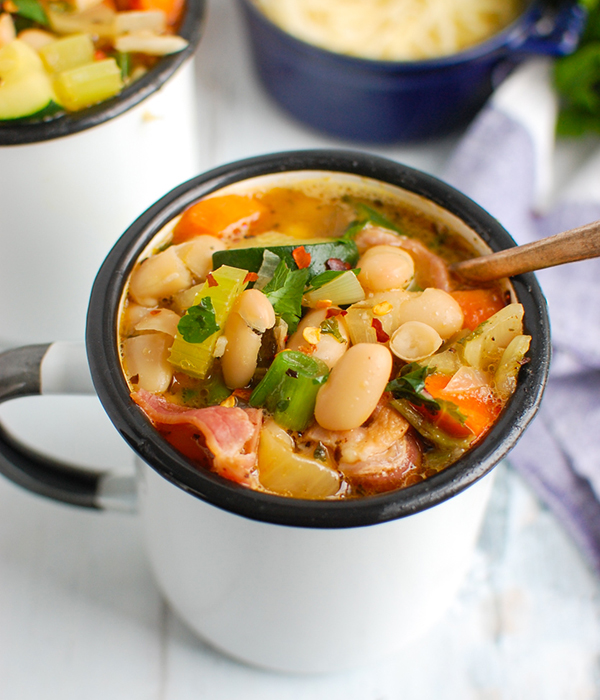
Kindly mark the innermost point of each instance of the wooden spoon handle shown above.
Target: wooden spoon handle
(569, 246)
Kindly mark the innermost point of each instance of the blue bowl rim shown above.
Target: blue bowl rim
(103, 356)
(26, 131)
(511, 37)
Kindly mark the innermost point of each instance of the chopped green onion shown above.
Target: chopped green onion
(289, 388)
(342, 290)
(267, 269)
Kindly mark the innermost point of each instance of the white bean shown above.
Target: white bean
(414, 341)
(145, 358)
(354, 387)
(159, 277)
(385, 267)
(327, 348)
(162, 320)
(197, 254)
(436, 308)
(241, 352)
(256, 310)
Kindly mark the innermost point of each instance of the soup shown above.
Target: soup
(393, 30)
(307, 338)
(58, 57)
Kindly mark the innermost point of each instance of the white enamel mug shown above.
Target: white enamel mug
(70, 186)
(286, 584)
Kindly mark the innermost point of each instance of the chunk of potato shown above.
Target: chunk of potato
(285, 472)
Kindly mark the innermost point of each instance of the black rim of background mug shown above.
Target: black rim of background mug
(102, 348)
(27, 131)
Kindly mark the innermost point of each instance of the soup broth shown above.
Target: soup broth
(307, 338)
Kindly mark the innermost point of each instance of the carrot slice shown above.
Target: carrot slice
(478, 410)
(301, 257)
(217, 216)
(478, 305)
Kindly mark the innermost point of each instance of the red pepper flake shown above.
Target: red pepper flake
(337, 264)
(301, 257)
(251, 277)
(335, 312)
(99, 55)
(212, 282)
(382, 336)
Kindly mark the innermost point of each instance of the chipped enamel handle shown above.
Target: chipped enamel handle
(55, 368)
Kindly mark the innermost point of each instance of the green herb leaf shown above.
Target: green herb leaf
(125, 63)
(368, 215)
(199, 322)
(285, 291)
(33, 10)
(410, 385)
(331, 327)
(577, 80)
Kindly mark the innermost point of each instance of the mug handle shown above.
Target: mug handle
(556, 33)
(55, 368)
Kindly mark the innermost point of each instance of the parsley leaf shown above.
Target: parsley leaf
(330, 326)
(368, 215)
(199, 323)
(285, 291)
(33, 10)
(410, 385)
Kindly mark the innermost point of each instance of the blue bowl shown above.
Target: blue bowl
(400, 101)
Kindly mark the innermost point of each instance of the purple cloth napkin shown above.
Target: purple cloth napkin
(503, 163)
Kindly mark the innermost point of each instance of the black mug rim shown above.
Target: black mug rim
(26, 131)
(102, 349)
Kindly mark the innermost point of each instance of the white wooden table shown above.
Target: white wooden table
(81, 619)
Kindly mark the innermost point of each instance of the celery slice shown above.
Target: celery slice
(196, 359)
(68, 52)
(86, 85)
(289, 388)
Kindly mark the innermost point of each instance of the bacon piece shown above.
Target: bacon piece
(230, 435)
(432, 271)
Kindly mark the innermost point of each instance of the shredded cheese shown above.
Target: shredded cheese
(393, 30)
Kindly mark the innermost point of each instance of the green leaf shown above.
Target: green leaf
(319, 280)
(33, 10)
(199, 322)
(285, 293)
(368, 215)
(410, 385)
(124, 62)
(331, 327)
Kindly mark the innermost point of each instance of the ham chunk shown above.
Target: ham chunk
(225, 439)
(379, 456)
(432, 270)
